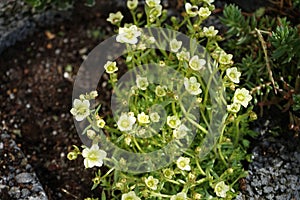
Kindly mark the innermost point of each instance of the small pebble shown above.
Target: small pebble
(24, 178)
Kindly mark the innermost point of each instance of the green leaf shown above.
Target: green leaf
(34, 3)
(90, 3)
(103, 196)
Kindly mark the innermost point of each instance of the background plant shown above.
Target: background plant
(267, 53)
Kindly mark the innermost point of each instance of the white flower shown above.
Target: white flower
(93, 94)
(210, 31)
(180, 131)
(152, 3)
(204, 12)
(191, 10)
(91, 134)
(115, 18)
(183, 55)
(192, 86)
(132, 4)
(221, 188)
(168, 173)
(234, 107)
(179, 196)
(93, 156)
(127, 140)
(242, 96)
(100, 123)
(173, 121)
(151, 40)
(225, 59)
(160, 91)
(128, 34)
(151, 182)
(81, 109)
(142, 82)
(183, 163)
(110, 67)
(196, 63)
(130, 196)
(154, 117)
(126, 122)
(208, 1)
(175, 45)
(143, 118)
(233, 74)
(155, 12)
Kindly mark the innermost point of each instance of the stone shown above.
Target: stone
(268, 189)
(24, 178)
(25, 193)
(14, 192)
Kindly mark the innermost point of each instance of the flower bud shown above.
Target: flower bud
(72, 155)
(253, 116)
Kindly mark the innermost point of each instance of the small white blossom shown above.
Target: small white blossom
(204, 12)
(225, 59)
(160, 91)
(143, 118)
(142, 82)
(151, 183)
(168, 173)
(210, 31)
(81, 109)
(126, 122)
(91, 134)
(180, 132)
(151, 40)
(183, 55)
(242, 96)
(234, 107)
(141, 46)
(110, 67)
(132, 4)
(192, 86)
(93, 94)
(115, 18)
(191, 10)
(162, 63)
(152, 3)
(154, 117)
(208, 1)
(196, 63)
(127, 140)
(183, 163)
(130, 196)
(100, 123)
(175, 45)
(221, 188)
(155, 12)
(173, 121)
(128, 34)
(179, 196)
(93, 156)
(233, 74)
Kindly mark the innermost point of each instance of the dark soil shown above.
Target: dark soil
(36, 97)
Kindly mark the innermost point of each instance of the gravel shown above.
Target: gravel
(17, 178)
(18, 20)
(275, 170)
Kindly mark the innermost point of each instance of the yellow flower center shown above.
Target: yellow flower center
(125, 123)
(232, 75)
(129, 198)
(182, 164)
(240, 97)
